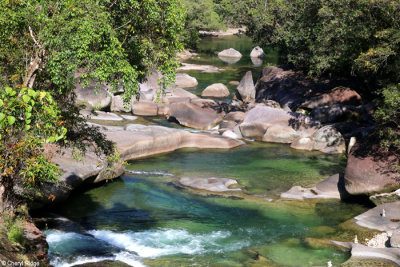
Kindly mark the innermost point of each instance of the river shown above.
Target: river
(146, 219)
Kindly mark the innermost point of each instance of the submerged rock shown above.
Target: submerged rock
(210, 184)
(364, 252)
(332, 187)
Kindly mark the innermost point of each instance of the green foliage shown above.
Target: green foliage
(15, 230)
(29, 118)
(54, 44)
(47, 47)
(388, 117)
(201, 15)
(336, 37)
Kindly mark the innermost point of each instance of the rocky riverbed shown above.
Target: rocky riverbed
(280, 106)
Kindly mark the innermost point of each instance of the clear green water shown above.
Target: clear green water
(146, 219)
(232, 72)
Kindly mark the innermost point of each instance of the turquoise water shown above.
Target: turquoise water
(147, 219)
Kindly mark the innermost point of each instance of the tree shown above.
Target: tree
(350, 38)
(201, 15)
(50, 45)
(28, 118)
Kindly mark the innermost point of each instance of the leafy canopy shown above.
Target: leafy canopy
(48, 46)
(337, 37)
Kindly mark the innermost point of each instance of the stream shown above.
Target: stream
(146, 219)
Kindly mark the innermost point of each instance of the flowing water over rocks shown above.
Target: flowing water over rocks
(147, 218)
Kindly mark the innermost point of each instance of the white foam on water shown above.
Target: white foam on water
(157, 173)
(58, 262)
(55, 238)
(122, 257)
(162, 242)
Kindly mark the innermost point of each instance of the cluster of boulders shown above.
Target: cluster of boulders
(232, 56)
(283, 106)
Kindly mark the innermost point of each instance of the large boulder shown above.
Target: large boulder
(193, 116)
(237, 116)
(184, 80)
(230, 53)
(260, 118)
(257, 52)
(246, 89)
(303, 143)
(333, 113)
(371, 172)
(216, 90)
(338, 95)
(94, 96)
(178, 95)
(143, 108)
(280, 134)
(328, 140)
(118, 105)
(148, 90)
(294, 89)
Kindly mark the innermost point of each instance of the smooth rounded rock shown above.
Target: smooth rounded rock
(280, 134)
(94, 96)
(230, 53)
(193, 116)
(144, 108)
(328, 140)
(216, 90)
(184, 80)
(303, 143)
(210, 184)
(257, 52)
(367, 174)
